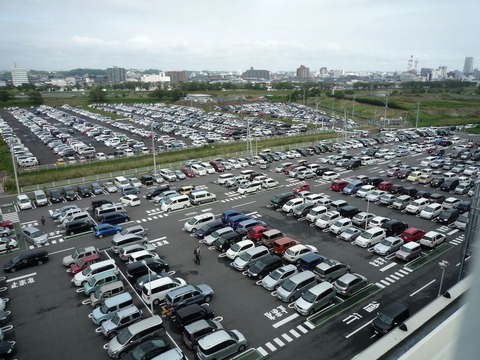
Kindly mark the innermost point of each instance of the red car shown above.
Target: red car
(385, 185)
(256, 232)
(7, 224)
(81, 264)
(338, 185)
(412, 234)
(301, 187)
(217, 166)
(188, 172)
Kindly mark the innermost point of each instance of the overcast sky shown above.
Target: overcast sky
(277, 35)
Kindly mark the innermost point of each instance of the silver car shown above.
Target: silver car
(350, 234)
(35, 236)
(388, 246)
(350, 283)
(276, 278)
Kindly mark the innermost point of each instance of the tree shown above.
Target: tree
(97, 94)
(5, 96)
(35, 97)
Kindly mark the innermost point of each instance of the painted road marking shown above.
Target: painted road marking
(294, 333)
(286, 337)
(302, 329)
(21, 277)
(423, 287)
(284, 321)
(262, 351)
(360, 328)
(279, 342)
(270, 346)
(389, 266)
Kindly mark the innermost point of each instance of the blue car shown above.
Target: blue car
(106, 229)
(130, 190)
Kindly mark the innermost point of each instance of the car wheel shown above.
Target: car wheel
(156, 302)
(100, 236)
(40, 262)
(207, 298)
(13, 269)
(241, 348)
(387, 253)
(310, 312)
(111, 336)
(193, 230)
(184, 206)
(168, 210)
(260, 277)
(292, 299)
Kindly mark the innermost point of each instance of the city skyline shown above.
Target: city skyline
(220, 35)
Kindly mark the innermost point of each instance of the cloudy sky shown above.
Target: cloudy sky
(277, 35)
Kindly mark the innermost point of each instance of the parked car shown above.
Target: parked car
(350, 283)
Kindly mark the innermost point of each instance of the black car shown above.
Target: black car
(464, 206)
(156, 191)
(448, 216)
(437, 182)
(321, 170)
(422, 194)
(7, 349)
(396, 189)
(209, 228)
(410, 191)
(56, 196)
(140, 268)
(83, 191)
(374, 181)
(449, 185)
(403, 174)
(69, 194)
(148, 349)
(100, 202)
(96, 189)
(394, 227)
(437, 198)
(146, 180)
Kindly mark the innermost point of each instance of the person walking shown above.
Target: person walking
(196, 255)
(43, 220)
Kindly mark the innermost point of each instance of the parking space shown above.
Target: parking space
(44, 295)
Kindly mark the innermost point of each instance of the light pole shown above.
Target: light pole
(443, 265)
(418, 109)
(368, 209)
(153, 149)
(149, 278)
(15, 173)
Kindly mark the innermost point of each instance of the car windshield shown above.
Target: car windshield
(276, 275)
(192, 221)
(116, 319)
(98, 293)
(235, 247)
(385, 319)
(386, 242)
(288, 285)
(245, 256)
(325, 217)
(80, 262)
(137, 353)
(367, 235)
(86, 271)
(309, 297)
(36, 234)
(124, 336)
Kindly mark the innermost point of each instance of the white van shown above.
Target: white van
(208, 167)
(40, 198)
(78, 216)
(100, 267)
(250, 187)
(197, 221)
(23, 202)
(176, 203)
(367, 160)
(198, 197)
(155, 291)
(31, 161)
(223, 178)
(121, 182)
(86, 150)
(381, 153)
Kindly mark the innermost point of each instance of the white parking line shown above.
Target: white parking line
(309, 324)
(284, 321)
(59, 251)
(360, 328)
(294, 333)
(279, 342)
(385, 268)
(380, 285)
(262, 351)
(302, 329)
(21, 277)
(452, 232)
(423, 287)
(270, 346)
(286, 337)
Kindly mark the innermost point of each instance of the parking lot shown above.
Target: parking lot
(44, 298)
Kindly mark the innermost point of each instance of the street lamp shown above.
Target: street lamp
(443, 265)
(368, 209)
(149, 278)
(153, 148)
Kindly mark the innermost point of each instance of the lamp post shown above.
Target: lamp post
(443, 265)
(368, 209)
(153, 149)
(15, 173)
(149, 278)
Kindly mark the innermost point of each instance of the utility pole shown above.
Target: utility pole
(353, 109)
(418, 109)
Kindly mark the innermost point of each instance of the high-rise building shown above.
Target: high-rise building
(19, 76)
(468, 66)
(116, 75)
(303, 72)
(177, 76)
(256, 74)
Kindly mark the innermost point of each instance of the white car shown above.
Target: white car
(100, 156)
(375, 195)
(365, 190)
(198, 170)
(327, 219)
(238, 248)
(24, 202)
(431, 211)
(432, 239)
(297, 251)
(370, 237)
(415, 207)
(269, 183)
(130, 200)
(330, 175)
(377, 221)
(340, 225)
(288, 207)
(390, 155)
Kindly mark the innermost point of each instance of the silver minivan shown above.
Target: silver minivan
(315, 298)
(220, 344)
(296, 285)
(40, 198)
(247, 258)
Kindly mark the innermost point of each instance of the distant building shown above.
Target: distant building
(426, 73)
(256, 75)
(303, 72)
(155, 78)
(468, 66)
(116, 75)
(177, 76)
(323, 71)
(19, 76)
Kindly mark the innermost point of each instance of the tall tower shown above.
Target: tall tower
(19, 76)
(468, 66)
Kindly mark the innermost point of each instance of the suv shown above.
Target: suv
(186, 295)
(330, 270)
